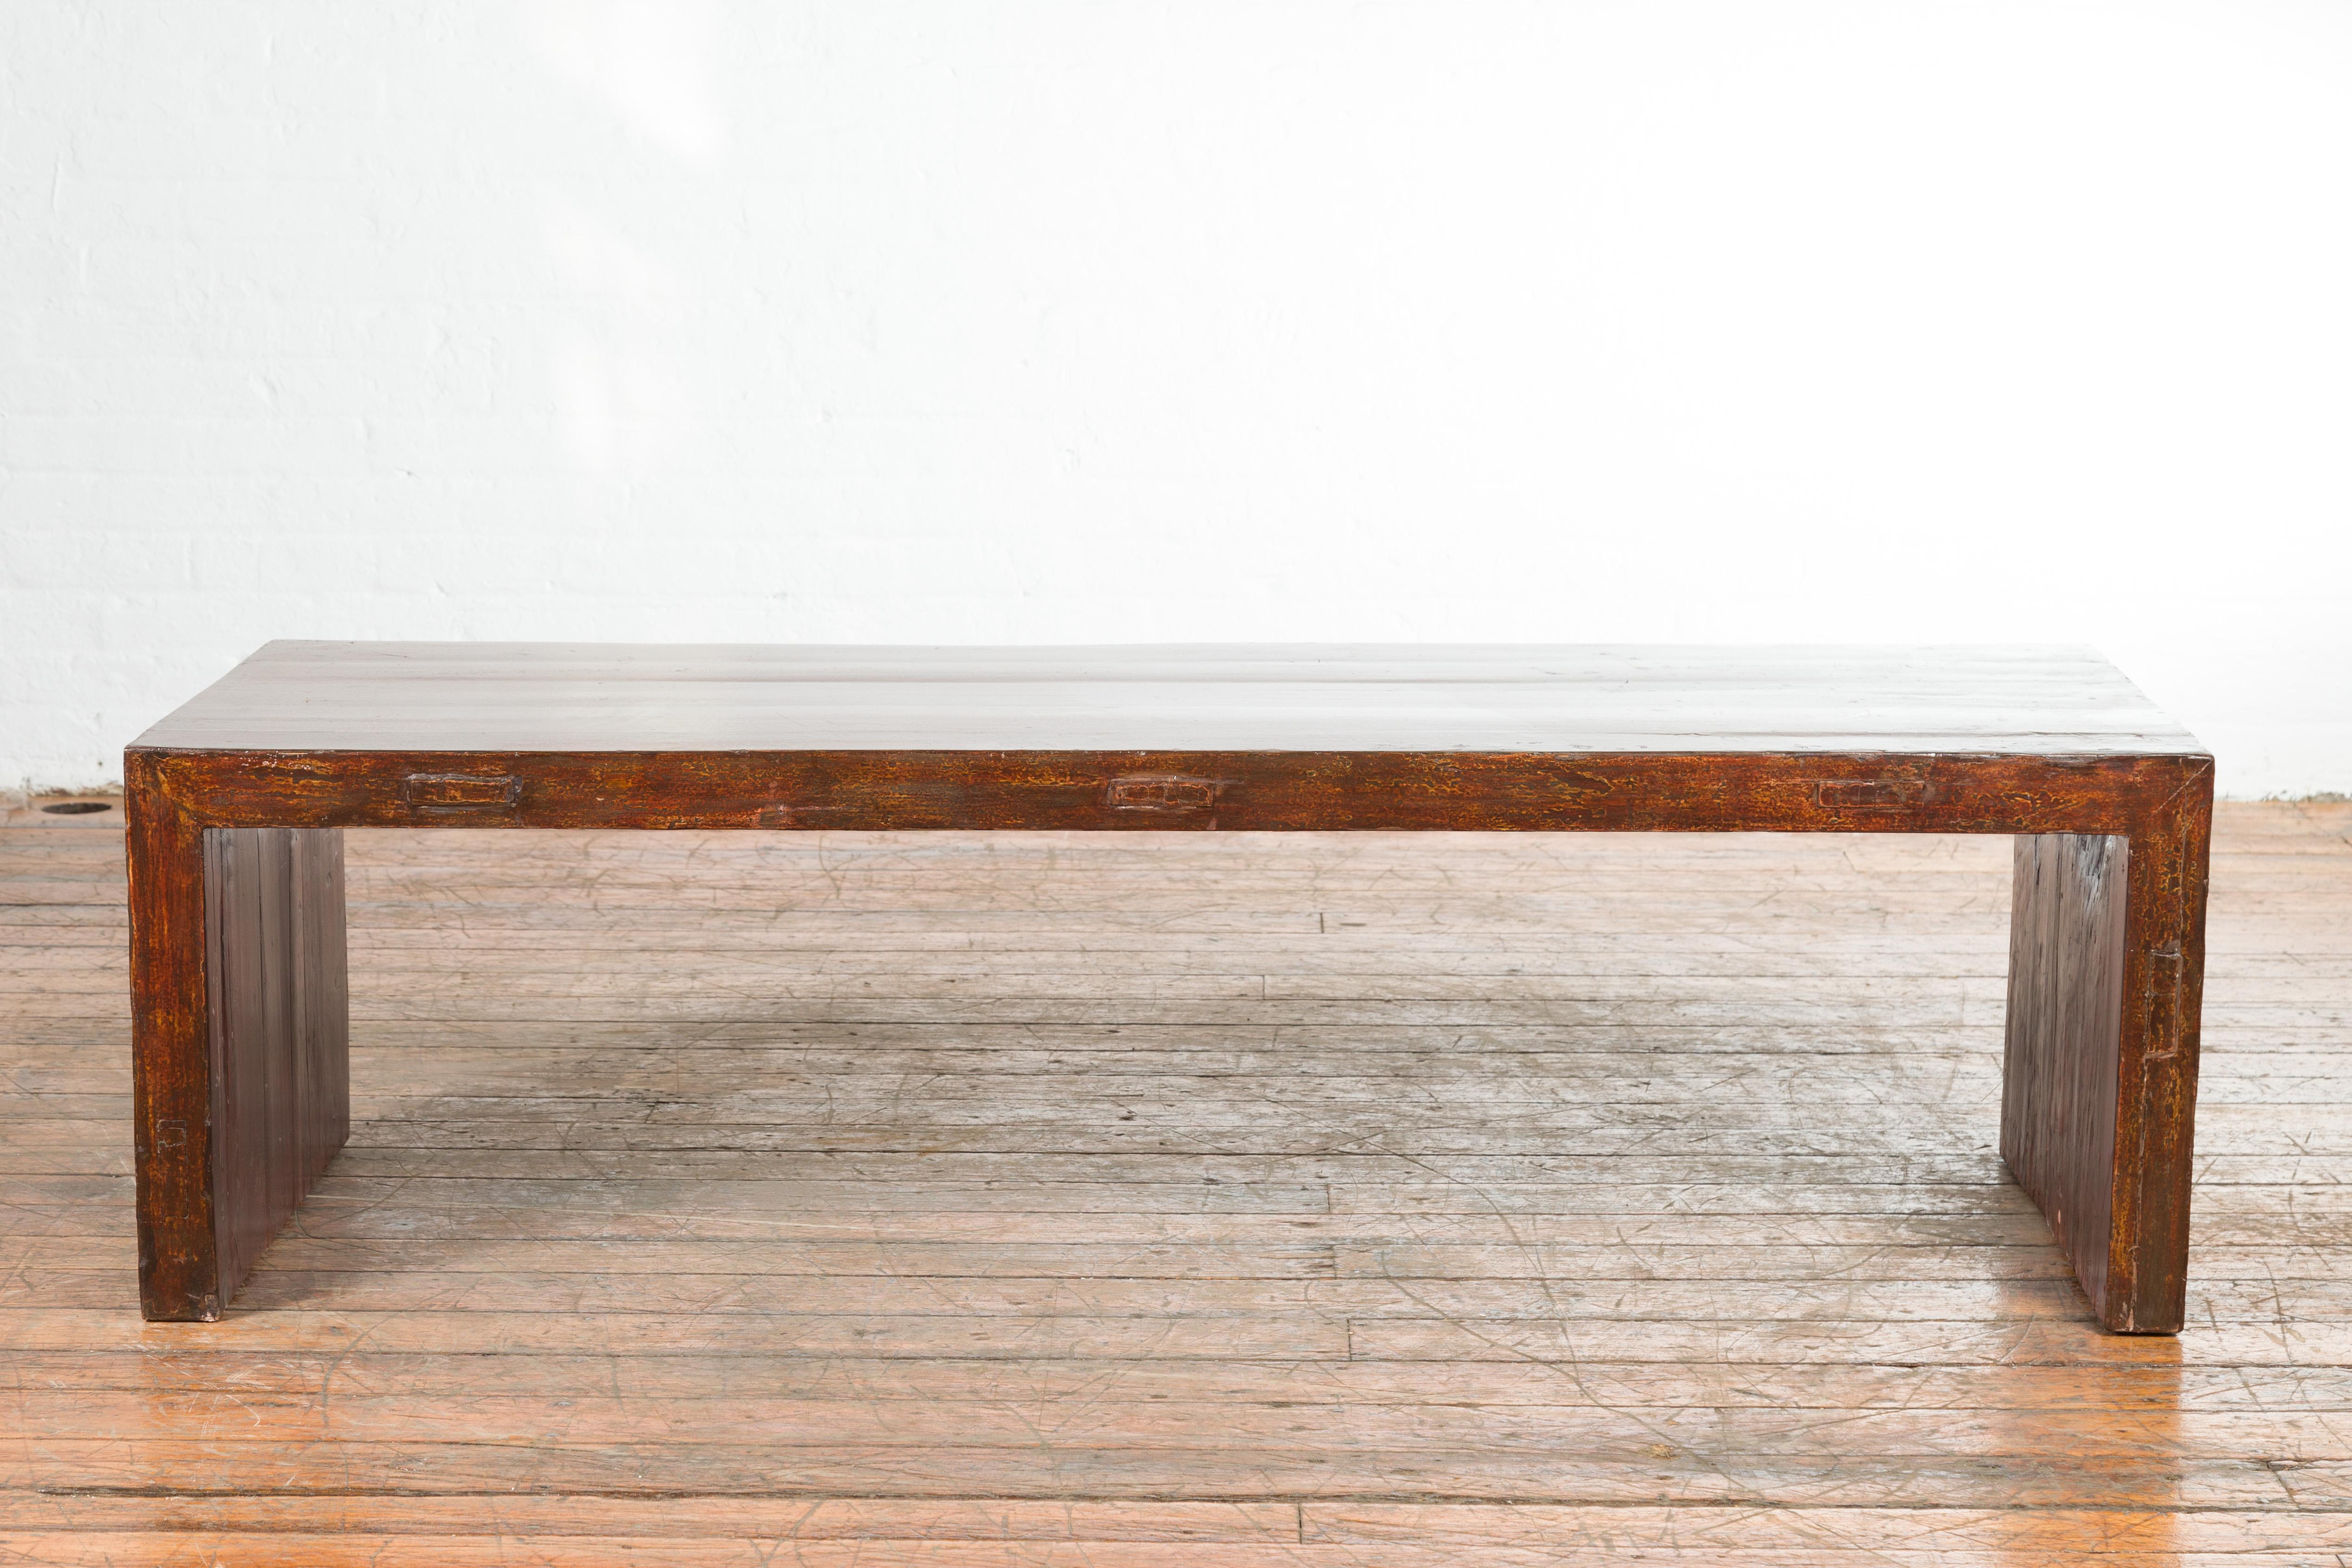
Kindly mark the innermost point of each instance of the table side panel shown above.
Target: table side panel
(278, 1027)
(173, 1090)
(2163, 990)
(1275, 791)
(2063, 1028)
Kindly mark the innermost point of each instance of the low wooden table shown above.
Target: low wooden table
(236, 803)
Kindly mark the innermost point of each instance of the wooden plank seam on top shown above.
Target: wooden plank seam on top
(236, 803)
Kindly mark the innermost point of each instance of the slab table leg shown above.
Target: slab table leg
(240, 1041)
(2105, 974)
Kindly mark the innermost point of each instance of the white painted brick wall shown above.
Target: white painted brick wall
(1115, 319)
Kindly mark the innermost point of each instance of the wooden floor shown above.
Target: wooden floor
(1130, 1201)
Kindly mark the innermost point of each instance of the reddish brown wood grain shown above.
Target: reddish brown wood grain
(2107, 966)
(278, 1025)
(242, 1086)
(2157, 1047)
(1700, 792)
(174, 1108)
(2065, 1014)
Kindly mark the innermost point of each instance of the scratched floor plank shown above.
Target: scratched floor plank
(1137, 1202)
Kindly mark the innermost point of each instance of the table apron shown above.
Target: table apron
(1254, 791)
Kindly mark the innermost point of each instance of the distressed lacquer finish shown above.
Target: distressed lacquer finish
(240, 1040)
(238, 964)
(2066, 995)
(279, 1022)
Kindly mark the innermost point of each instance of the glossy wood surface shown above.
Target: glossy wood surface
(997, 1200)
(318, 737)
(2059, 1090)
(547, 697)
(279, 1026)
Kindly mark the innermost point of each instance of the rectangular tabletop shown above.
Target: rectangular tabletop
(623, 698)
